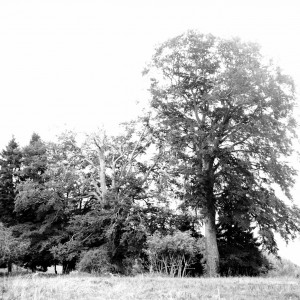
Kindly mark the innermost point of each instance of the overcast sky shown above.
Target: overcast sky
(77, 63)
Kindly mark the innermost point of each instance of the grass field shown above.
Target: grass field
(85, 287)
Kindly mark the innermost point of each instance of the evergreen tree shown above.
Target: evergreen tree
(29, 200)
(240, 252)
(10, 161)
(34, 165)
(53, 190)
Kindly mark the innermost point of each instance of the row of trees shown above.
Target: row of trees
(209, 154)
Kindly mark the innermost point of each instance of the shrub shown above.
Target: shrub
(95, 261)
(282, 267)
(11, 248)
(132, 266)
(173, 254)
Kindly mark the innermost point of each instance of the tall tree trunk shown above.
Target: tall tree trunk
(211, 247)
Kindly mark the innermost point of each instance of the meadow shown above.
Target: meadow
(146, 287)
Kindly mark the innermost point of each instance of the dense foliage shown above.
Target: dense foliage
(174, 254)
(226, 119)
(11, 249)
(206, 160)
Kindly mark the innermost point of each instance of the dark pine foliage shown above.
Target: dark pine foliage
(10, 162)
(240, 253)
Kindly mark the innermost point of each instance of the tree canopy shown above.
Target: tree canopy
(226, 117)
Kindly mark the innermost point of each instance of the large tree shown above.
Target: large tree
(10, 162)
(54, 189)
(34, 165)
(27, 204)
(119, 174)
(226, 117)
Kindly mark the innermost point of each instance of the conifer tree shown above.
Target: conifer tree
(10, 161)
(28, 202)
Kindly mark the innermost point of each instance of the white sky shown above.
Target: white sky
(77, 63)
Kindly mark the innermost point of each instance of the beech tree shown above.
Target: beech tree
(226, 119)
(119, 175)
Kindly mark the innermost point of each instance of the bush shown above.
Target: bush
(11, 248)
(95, 261)
(282, 267)
(173, 254)
(132, 266)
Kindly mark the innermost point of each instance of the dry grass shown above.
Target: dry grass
(86, 287)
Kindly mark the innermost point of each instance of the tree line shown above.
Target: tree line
(189, 188)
